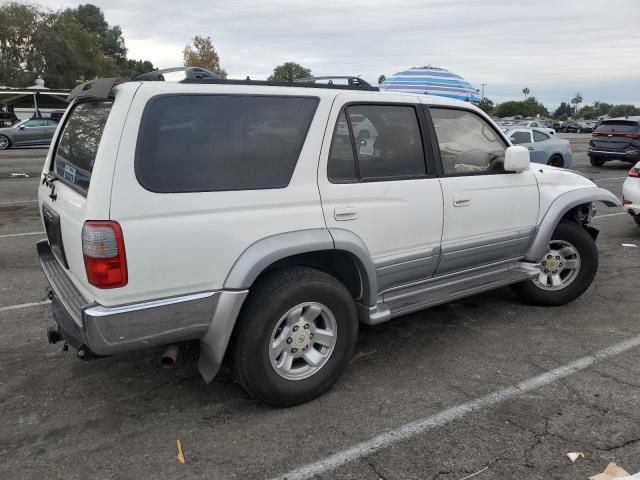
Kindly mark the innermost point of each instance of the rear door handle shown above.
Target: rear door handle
(530, 148)
(460, 200)
(345, 213)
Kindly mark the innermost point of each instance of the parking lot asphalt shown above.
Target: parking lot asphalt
(485, 386)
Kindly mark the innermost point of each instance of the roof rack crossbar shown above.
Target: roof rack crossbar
(191, 73)
(351, 80)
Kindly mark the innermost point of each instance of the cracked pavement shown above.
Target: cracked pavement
(120, 417)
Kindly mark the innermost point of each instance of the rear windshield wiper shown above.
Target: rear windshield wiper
(48, 180)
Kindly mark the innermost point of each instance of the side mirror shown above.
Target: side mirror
(516, 159)
(21, 127)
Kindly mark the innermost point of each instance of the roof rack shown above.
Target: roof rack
(354, 81)
(200, 75)
(191, 73)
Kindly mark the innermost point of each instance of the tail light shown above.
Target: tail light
(104, 257)
(626, 201)
(634, 172)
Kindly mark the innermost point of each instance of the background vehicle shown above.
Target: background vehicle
(35, 131)
(544, 148)
(270, 232)
(615, 139)
(535, 124)
(631, 193)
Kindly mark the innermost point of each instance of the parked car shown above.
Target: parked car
(615, 139)
(544, 148)
(557, 125)
(183, 211)
(535, 124)
(35, 131)
(631, 193)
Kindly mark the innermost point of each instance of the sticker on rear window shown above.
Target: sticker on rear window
(70, 173)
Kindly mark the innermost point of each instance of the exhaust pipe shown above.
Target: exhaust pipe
(168, 359)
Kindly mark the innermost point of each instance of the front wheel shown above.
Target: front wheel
(596, 161)
(566, 270)
(5, 143)
(296, 335)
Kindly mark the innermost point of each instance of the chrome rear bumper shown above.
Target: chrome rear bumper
(108, 330)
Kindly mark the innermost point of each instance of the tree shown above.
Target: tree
(382, 78)
(576, 101)
(526, 92)
(203, 54)
(289, 71)
(527, 108)
(486, 105)
(92, 19)
(623, 110)
(19, 57)
(564, 109)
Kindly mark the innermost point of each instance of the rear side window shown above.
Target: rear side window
(78, 144)
(618, 126)
(539, 136)
(205, 143)
(385, 141)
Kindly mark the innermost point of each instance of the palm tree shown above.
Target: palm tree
(577, 100)
(526, 92)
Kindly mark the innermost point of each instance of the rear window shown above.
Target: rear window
(79, 141)
(205, 143)
(618, 126)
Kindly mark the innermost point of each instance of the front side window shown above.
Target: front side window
(468, 144)
(205, 143)
(78, 145)
(539, 136)
(520, 137)
(386, 140)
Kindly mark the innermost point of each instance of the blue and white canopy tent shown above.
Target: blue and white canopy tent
(432, 81)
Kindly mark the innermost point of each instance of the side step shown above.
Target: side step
(447, 288)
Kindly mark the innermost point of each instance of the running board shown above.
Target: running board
(447, 288)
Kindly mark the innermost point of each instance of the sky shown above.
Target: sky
(554, 47)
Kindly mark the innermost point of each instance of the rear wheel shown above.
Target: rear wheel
(556, 161)
(566, 270)
(296, 335)
(636, 218)
(596, 161)
(5, 143)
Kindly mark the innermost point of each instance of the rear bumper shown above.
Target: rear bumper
(108, 330)
(633, 156)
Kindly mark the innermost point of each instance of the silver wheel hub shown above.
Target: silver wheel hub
(302, 341)
(559, 267)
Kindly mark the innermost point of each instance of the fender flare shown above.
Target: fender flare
(259, 255)
(556, 211)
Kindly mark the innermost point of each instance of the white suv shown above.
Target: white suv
(267, 219)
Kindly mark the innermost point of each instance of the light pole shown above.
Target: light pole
(483, 84)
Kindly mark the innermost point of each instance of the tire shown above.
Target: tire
(267, 315)
(576, 280)
(556, 161)
(5, 143)
(596, 161)
(636, 219)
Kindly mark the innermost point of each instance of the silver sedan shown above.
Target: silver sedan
(543, 148)
(35, 131)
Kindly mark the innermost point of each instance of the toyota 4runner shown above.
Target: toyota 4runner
(266, 220)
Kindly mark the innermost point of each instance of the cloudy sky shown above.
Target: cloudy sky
(553, 47)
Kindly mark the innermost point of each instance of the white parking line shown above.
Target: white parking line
(423, 425)
(23, 305)
(609, 215)
(18, 201)
(21, 234)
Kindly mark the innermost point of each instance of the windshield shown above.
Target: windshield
(618, 126)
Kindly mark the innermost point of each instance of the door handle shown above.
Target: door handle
(461, 200)
(345, 213)
(530, 148)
